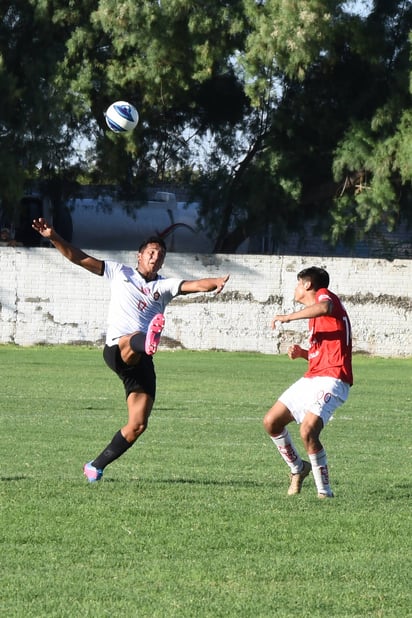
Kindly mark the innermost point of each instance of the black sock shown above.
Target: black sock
(137, 342)
(117, 447)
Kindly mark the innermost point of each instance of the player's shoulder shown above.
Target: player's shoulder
(168, 285)
(112, 268)
(324, 294)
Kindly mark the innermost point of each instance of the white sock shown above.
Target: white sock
(286, 448)
(320, 472)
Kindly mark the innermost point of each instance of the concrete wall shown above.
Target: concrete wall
(46, 299)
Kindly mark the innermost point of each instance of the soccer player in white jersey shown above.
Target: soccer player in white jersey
(139, 297)
(312, 400)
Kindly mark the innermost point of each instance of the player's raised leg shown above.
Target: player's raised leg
(131, 347)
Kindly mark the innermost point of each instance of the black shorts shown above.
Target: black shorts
(135, 378)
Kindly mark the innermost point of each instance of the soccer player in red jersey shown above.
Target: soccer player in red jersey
(312, 400)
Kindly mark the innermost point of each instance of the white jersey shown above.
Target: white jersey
(135, 301)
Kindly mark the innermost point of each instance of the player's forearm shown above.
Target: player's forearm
(75, 255)
(208, 284)
(311, 311)
(71, 253)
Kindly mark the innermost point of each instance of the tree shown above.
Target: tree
(167, 58)
(37, 128)
(275, 111)
(373, 160)
(310, 70)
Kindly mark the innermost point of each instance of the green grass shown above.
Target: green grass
(194, 520)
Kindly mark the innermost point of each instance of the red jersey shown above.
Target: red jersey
(330, 341)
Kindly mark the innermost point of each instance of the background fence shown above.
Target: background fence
(44, 299)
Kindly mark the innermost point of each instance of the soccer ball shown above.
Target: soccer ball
(121, 117)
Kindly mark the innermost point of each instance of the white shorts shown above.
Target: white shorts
(319, 395)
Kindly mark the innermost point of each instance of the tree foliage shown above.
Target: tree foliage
(273, 111)
(374, 156)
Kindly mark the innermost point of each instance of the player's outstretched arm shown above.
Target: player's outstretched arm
(311, 311)
(209, 284)
(75, 255)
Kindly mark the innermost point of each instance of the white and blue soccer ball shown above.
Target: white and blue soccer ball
(121, 117)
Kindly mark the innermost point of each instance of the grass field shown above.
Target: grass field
(194, 520)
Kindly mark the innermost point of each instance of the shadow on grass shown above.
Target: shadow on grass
(190, 481)
(9, 479)
(160, 481)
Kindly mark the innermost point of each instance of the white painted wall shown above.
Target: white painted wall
(46, 299)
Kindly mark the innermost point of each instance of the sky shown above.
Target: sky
(361, 7)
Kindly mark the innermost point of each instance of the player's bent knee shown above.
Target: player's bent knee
(310, 439)
(305, 433)
(269, 424)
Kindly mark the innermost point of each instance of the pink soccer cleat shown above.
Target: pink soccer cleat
(91, 473)
(154, 332)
